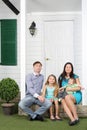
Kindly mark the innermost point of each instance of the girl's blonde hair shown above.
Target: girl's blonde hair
(54, 85)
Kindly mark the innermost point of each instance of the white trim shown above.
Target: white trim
(84, 50)
(22, 47)
(0, 42)
(54, 13)
(46, 16)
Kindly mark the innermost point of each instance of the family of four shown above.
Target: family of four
(66, 91)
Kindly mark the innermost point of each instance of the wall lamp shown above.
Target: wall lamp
(32, 28)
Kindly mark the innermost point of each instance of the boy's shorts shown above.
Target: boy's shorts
(62, 95)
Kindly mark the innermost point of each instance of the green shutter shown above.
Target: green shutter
(0, 42)
(8, 42)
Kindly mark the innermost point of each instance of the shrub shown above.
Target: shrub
(9, 89)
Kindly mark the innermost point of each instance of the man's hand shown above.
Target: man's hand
(41, 98)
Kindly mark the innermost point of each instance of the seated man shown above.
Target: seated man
(34, 83)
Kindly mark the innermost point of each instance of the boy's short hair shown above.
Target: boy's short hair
(37, 62)
(74, 81)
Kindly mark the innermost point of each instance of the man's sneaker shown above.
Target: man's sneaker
(38, 117)
(31, 119)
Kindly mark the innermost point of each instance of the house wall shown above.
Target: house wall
(11, 71)
(35, 44)
(78, 45)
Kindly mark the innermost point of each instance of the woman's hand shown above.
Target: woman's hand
(69, 89)
(61, 89)
(73, 89)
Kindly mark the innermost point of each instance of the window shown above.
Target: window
(8, 42)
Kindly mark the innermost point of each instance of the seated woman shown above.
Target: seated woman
(69, 100)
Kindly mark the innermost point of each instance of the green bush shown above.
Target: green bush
(9, 89)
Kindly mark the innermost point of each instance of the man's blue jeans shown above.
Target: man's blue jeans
(29, 100)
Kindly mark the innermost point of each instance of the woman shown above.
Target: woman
(70, 100)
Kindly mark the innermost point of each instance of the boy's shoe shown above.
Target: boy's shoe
(58, 118)
(59, 99)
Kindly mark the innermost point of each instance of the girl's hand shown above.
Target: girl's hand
(51, 100)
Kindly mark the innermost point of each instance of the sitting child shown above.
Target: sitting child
(72, 84)
(50, 91)
(63, 92)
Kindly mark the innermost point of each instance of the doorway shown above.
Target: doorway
(58, 42)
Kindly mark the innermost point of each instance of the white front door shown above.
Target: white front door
(58, 36)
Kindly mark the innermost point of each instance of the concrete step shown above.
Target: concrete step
(81, 110)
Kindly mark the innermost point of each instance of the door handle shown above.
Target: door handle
(47, 59)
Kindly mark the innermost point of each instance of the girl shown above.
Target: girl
(50, 91)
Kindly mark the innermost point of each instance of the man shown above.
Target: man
(34, 83)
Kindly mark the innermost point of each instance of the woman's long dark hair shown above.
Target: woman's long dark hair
(63, 74)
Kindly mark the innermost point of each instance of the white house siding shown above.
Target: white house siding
(34, 48)
(78, 45)
(35, 44)
(84, 50)
(10, 71)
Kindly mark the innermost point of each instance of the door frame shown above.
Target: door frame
(46, 53)
(61, 16)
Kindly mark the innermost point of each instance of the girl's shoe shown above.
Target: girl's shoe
(58, 118)
(52, 118)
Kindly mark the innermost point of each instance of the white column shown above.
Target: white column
(84, 51)
(22, 46)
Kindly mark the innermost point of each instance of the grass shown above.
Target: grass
(16, 122)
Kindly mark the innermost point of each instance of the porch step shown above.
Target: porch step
(81, 110)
